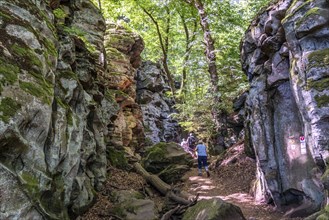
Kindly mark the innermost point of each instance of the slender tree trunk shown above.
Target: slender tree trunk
(210, 47)
(100, 5)
(218, 116)
(188, 48)
(164, 46)
(165, 54)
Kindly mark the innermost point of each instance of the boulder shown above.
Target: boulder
(168, 160)
(130, 205)
(213, 209)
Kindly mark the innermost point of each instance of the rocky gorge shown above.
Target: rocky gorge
(68, 106)
(76, 97)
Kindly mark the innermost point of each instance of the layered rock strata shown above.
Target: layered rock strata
(61, 110)
(285, 55)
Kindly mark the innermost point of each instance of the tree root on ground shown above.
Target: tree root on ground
(180, 209)
(164, 188)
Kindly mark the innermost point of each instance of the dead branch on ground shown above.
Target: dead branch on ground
(161, 186)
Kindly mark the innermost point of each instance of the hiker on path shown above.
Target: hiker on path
(201, 151)
(192, 144)
(184, 144)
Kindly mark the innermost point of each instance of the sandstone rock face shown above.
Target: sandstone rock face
(157, 107)
(285, 55)
(61, 109)
(123, 50)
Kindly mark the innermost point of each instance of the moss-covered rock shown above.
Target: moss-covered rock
(173, 173)
(213, 209)
(117, 158)
(318, 58)
(322, 100)
(9, 73)
(320, 84)
(31, 185)
(44, 93)
(8, 108)
(82, 35)
(168, 160)
(132, 205)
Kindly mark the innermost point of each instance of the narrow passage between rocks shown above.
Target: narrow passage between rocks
(231, 181)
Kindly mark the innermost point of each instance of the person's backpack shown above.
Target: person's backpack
(192, 141)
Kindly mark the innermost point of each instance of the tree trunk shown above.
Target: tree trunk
(164, 46)
(211, 60)
(161, 186)
(100, 5)
(188, 48)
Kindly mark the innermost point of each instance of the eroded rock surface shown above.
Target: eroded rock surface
(168, 160)
(62, 108)
(153, 96)
(284, 54)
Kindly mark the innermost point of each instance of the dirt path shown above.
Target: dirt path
(231, 180)
(216, 187)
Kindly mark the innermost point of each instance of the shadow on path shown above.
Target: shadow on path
(215, 187)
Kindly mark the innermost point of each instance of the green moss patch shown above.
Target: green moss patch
(67, 75)
(51, 48)
(322, 100)
(25, 55)
(319, 85)
(4, 15)
(117, 158)
(293, 4)
(114, 54)
(31, 185)
(110, 95)
(156, 152)
(161, 155)
(9, 73)
(59, 13)
(117, 94)
(69, 117)
(82, 35)
(309, 13)
(8, 108)
(319, 58)
(37, 91)
(213, 209)
(121, 39)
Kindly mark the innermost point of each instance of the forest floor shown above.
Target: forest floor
(231, 181)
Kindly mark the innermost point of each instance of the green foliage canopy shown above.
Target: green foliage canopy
(228, 21)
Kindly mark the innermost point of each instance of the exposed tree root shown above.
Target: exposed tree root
(180, 209)
(164, 188)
